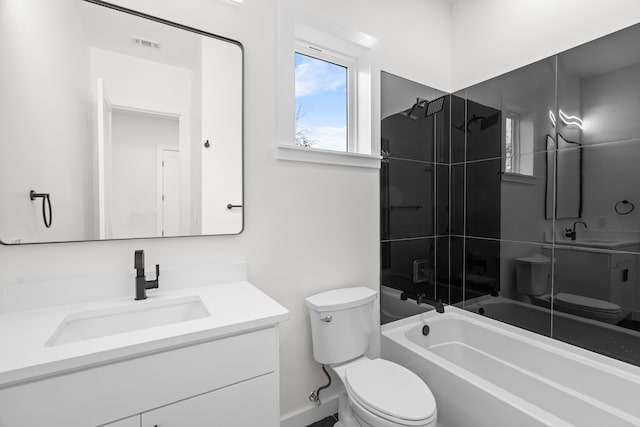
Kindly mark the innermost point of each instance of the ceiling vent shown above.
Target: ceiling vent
(138, 41)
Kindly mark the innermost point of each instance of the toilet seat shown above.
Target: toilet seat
(391, 392)
(586, 303)
(592, 308)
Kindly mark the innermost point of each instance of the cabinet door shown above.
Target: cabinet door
(127, 422)
(250, 403)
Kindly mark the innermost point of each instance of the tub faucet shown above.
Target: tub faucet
(571, 233)
(142, 284)
(422, 299)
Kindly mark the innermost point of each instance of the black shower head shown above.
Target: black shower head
(487, 122)
(434, 106)
(409, 113)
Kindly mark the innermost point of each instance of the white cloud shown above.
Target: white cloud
(318, 76)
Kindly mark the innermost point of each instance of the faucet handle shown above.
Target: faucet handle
(138, 259)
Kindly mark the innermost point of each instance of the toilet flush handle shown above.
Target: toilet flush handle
(327, 318)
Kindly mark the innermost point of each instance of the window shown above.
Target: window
(511, 143)
(324, 91)
(518, 144)
(324, 99)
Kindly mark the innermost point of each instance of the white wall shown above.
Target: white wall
(491, 37)
(196, 143)
(152, 86)
(610, 104)
(308, 227)
(134, 209)
(222, 126)
(44, 82)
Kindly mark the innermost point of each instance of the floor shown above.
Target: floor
(326, 422)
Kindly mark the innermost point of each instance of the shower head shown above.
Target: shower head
(485, 122)
(409, 113)
(431, 107)
(434, 106)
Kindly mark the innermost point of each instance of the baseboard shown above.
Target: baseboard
(309, 416)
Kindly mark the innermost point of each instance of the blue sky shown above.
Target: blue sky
(321, 92)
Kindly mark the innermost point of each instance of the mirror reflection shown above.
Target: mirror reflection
(116, 125)
(597, 252)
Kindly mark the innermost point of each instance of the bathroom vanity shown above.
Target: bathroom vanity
(187, 357)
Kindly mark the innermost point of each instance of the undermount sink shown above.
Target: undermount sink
(98, 323)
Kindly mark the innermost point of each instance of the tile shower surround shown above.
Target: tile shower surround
(446, 201)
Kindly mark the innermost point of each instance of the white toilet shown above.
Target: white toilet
(533, 278)
(376, 393)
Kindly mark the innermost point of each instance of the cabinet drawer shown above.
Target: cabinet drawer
(249, 403)
(110, 392)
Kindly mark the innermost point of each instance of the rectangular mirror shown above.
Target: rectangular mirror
(116, 125)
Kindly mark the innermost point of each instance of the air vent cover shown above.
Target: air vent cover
(139, 41)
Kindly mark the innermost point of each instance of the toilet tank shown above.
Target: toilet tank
(533, 274)
(341, 323)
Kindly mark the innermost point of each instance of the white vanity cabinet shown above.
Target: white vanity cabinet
(229, 381)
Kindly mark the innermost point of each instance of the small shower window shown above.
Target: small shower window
(518, 144)
(324, 105)
(511, 143)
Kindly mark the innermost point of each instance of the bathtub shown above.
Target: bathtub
(610, 340)
(486, 373)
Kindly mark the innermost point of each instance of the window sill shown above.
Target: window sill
(518, 178)
(315, 155)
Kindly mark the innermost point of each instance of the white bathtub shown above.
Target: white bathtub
(610, 340)
(486, 373)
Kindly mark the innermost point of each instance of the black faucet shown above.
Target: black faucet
(422, 298)
(142, 284)
(571, 233)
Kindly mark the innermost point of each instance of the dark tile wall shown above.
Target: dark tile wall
(477, 214)
(414, 194)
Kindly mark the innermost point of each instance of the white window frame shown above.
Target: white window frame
(351, 64)
(296, 25)
(515, 141)
(515, 175)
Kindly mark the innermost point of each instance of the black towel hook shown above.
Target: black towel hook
(45, 198)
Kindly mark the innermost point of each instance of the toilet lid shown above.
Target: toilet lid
(586, 303)
(390, 391)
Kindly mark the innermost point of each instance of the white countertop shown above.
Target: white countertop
(234, 308)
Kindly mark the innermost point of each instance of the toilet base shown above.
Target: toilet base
(345, 413)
